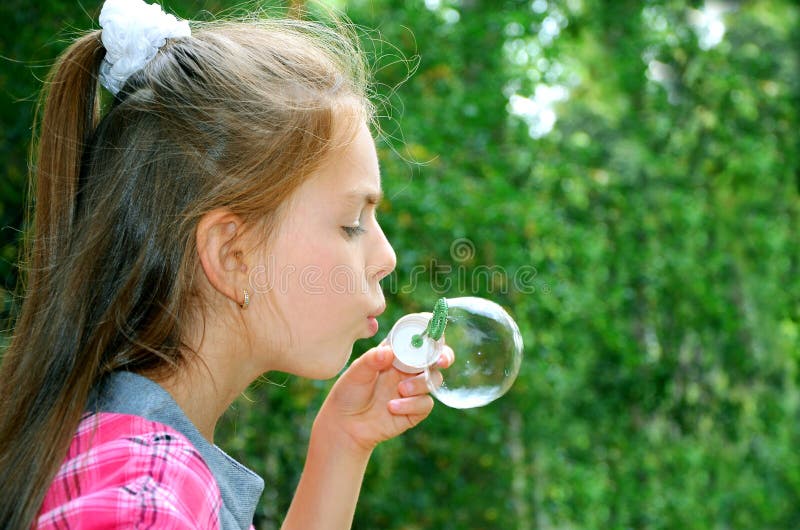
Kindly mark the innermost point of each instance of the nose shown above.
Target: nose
(384, 259)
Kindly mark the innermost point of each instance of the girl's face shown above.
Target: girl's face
(317, 290)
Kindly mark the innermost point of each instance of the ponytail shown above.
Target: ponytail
(70, 115)
(43, 395)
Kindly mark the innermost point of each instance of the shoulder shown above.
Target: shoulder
(127, 471)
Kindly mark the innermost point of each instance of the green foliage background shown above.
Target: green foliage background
(647, 246)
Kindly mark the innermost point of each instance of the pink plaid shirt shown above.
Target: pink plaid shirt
(124, 471)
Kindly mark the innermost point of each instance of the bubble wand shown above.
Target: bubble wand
(436, 324)
(485, 342)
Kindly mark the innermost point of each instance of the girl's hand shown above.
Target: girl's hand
(372, 401)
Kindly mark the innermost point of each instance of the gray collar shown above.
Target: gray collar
(129, 393)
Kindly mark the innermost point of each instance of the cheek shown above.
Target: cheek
(310, 279)
(314, 279)
(324, 267)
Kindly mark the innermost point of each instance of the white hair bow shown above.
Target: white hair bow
(133, 32)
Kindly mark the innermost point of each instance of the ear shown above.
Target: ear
(219, 246)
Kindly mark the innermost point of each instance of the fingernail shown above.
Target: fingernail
(380, 355)
(394, 406)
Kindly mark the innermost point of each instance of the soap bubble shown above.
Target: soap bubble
(488, 353)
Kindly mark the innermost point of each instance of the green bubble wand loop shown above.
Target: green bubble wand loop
(436, 324)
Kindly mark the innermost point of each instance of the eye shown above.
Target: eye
(357, 228)
(353, 231)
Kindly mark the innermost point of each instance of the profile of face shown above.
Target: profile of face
(317, 287)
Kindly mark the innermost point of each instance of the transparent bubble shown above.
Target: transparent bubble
(487, 345)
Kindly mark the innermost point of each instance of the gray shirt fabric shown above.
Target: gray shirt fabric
(129, 393)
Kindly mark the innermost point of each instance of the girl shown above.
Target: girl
(184, 243)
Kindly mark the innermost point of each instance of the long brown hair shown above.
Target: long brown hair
(235, 116)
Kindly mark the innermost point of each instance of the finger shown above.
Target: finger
(411, 406)
(414, 386)
(447, 357)
(366, 368)
(435, 379)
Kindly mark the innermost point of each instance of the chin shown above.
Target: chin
(346, 354)
(328, 370)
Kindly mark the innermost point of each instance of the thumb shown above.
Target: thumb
(365, 369)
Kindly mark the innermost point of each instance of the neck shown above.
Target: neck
(201, 397)
(210, 380)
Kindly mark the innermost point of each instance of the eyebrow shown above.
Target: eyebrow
(368, 197)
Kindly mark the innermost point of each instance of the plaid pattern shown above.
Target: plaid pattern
(124, 471)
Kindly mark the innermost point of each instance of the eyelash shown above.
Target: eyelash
(357, 230)
(353, 231)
